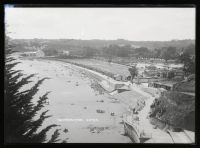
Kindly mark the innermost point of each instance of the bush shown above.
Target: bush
(175, 108)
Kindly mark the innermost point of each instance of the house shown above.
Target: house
(118, 77)
(179, 73)
(151, 67)
(164, 73)
(171, 61)
(63, 53)
(150, 73)
(135, 46)
(168, 85)
(29, 54)
(38, 53)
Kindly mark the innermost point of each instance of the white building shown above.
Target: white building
(29, 54)
(38, 53)
(65, 52)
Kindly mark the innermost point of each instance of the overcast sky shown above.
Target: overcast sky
(101, 23)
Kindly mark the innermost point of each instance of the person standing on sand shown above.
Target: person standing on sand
(134, 111)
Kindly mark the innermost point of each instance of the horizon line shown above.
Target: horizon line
(99, 39)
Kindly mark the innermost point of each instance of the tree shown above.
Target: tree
(50, 52)
(168, 53)
(19, 111)
(143, 52)
(133, 71)
(116, 50)
(189, 63)
(110, 50)
(190, 49)
(157, 53)
(123, 51)
(89, 52)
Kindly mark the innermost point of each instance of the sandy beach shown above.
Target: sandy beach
(73, 103)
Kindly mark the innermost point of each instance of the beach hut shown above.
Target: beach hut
(29, 54)
(168, 85)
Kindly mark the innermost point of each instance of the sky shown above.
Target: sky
(135, 24)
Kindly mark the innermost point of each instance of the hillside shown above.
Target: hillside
(186, 86)
(73, 44)
(175, 109)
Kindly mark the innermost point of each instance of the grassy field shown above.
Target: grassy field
(111, 68)
(129, 60)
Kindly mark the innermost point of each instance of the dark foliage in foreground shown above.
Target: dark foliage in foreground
(175, 109)
(19, 111)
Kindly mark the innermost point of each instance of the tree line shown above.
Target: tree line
(164, 52)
